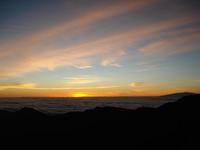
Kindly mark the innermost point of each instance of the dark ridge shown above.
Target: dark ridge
(29, 112)
(186, 104)
(175, 125)
(194, 99)
(177, 96)
(4, 113)
(108, 110)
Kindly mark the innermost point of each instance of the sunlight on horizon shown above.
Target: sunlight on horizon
(106, 47)
(80, 94)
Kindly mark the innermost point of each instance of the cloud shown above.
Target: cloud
(82, 64)
(85, 79)
(25, 58)
(112, 58)
(137, 84)
(29, 59)
(4, 86)
(198, 81)
(81, 22)
(83, 67)
(148, 65)
(74, 88)
(173, 45)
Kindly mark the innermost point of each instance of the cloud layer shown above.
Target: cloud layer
(24, 58)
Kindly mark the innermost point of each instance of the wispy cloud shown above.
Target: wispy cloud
(24, 58)
(173, 45)
(83, 21)
(84, 79)
(82, 64)
(77, 88)
(112, 58)
(137, 84)
(4, 86)
(28, 59)
(198, 81)
(148, 66)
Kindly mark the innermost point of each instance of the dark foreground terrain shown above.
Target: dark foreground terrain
(174, 125)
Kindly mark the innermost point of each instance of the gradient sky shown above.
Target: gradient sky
(99, 47)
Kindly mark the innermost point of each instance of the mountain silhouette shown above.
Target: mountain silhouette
(176, 96)
(174, 125)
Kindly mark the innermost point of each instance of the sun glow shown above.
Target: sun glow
(80, 94)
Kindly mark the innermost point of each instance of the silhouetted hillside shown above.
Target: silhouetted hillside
(176, 96)
(174, 125)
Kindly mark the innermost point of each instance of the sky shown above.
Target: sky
(99, 48)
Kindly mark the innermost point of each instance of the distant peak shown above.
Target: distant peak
(177, 96)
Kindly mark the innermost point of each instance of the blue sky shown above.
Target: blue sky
(99, 48)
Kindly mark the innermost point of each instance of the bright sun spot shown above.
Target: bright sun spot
(80, 94)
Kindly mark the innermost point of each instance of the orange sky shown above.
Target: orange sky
(99, 48)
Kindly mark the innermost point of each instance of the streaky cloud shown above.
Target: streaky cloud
(79, 55)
